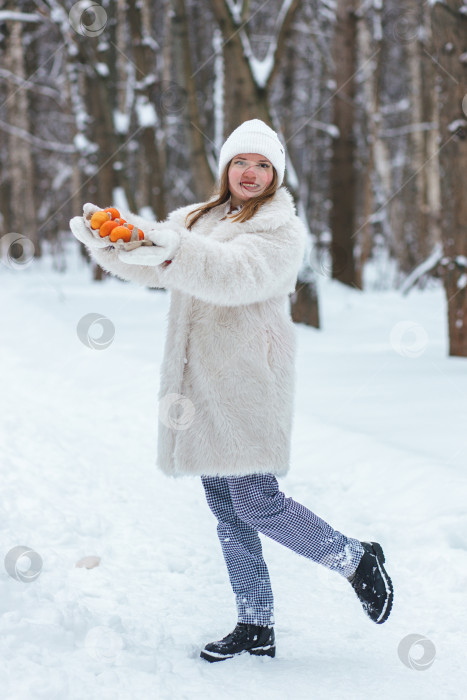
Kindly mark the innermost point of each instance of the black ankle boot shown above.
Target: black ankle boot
(372, 584)
(254, 639)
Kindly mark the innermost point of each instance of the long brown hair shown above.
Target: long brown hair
(222, 194)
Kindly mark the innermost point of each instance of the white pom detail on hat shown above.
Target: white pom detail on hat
(254, 136)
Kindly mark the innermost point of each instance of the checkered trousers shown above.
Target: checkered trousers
(247, 505)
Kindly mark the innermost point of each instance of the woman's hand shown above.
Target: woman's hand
(165, 245)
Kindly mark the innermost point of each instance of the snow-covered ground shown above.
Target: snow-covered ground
(379, 448)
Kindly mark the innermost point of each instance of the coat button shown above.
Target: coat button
(185, 360)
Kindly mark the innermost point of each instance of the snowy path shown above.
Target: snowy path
(378, 450)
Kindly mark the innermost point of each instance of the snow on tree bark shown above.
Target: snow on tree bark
(449, 32)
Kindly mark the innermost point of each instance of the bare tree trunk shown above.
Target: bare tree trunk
(304, 305)
(374, 165)
(203, 176)
(432, 173)
(165, 71)
(242, 97)
(22, 208)
(343, 167)
(103, 182)
(449, 32)
(76, 196)
(125, 79)
(150, 187)
(419, 198)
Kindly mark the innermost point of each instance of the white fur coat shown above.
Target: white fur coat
(227, 378)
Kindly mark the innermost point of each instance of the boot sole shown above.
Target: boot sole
(213, 656)
(380, 559)
(263, 651)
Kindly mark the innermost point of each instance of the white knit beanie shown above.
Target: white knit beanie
(254, 136)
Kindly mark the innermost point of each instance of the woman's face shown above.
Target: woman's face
(249, 175)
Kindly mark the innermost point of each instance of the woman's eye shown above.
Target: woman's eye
(240, 162)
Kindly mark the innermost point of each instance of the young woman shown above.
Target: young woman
(228, 373)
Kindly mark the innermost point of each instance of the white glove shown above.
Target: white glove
(84, 233)
(165, 245)
(88, 210)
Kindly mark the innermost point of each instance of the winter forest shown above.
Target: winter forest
(129, 101)
(113, 576)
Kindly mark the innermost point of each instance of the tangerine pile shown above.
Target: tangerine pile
(109, 223)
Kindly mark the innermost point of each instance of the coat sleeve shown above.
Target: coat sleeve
(252, 267)
(108, 259)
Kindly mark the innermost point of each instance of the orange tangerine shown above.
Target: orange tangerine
(99, 218)
(120, 233)
(114, 213)
(107, 227)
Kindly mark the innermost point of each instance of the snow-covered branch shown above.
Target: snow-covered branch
(432, 260)
(40, 143)
(235, 10)
(7, 15)
(28, 85)
(331, 129)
